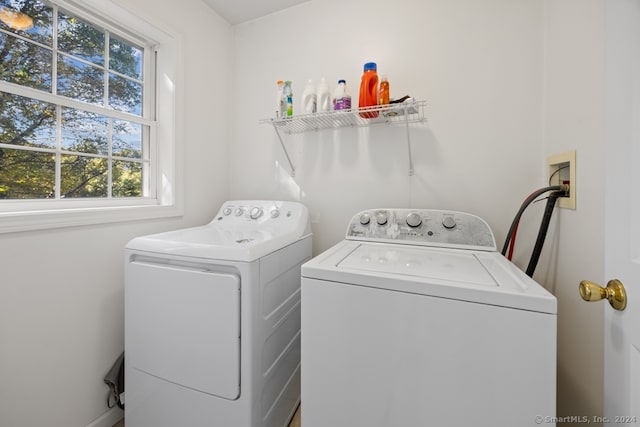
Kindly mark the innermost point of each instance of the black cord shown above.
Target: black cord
(542, 233)
(524, 206)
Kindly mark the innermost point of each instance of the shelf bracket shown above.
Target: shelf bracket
(286, 153)
(406, 121)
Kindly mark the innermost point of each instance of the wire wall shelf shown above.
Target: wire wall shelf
(401, 113)
(405, 113)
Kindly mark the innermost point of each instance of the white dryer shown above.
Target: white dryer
(212, 319)
(416, 320)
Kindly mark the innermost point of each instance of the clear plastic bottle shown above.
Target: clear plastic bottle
(369, 90)
(324, 96)
(288, 98)
(281, 103)
(384, 91)
(341, 98)
(309, 98)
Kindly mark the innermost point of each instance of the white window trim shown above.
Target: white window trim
(26, 215)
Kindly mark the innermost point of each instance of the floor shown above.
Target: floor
(295, 422)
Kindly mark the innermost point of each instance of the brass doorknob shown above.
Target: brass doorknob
(614, 292)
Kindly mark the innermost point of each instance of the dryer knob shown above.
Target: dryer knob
(239, 211)
(365, 219)
(381, 218)
(226, 211)
(275, 213)
(255, 213)
(414, 220)
(448, 222)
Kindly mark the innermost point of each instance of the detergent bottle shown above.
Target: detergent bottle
(309, 98)
(369, 90)
(324, 96)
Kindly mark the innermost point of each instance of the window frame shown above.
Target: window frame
(165, 175)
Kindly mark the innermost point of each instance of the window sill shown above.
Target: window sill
(11, 222)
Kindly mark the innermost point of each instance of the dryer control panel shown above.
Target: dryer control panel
(260, 211)
(273, 217)
(427, 227)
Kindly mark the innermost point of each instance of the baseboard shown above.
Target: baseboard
(109, 418)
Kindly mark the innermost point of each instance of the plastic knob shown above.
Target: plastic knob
(365, 219)
(255, 213)
(239, 211)
(449, 222)
(275, 213)
(381, 218)
(414, 220)
(226, 211)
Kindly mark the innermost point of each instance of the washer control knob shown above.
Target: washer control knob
(365, 219)
(275, 213)
(448, 222)
(255, 213)
(414, 220)
(226, 211)
(381, 218)
(239, 211)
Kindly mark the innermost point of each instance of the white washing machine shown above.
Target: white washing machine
(416, 320)
(212, 319)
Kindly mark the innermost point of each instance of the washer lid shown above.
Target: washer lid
(241, 231)
(456, 266)
(466, 275)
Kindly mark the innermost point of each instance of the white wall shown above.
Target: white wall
(574, 106)
(507, 84)
(477, 64)
(61, 292)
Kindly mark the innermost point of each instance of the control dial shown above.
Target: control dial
(226, 211)
(414, 220)
(381, 218)
(239, 211)
(448, 222)
(275, 213)
(365, 219)
(255, 213)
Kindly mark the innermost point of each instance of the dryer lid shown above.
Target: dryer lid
(241, 231)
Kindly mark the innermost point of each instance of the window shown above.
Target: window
(78, 118)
